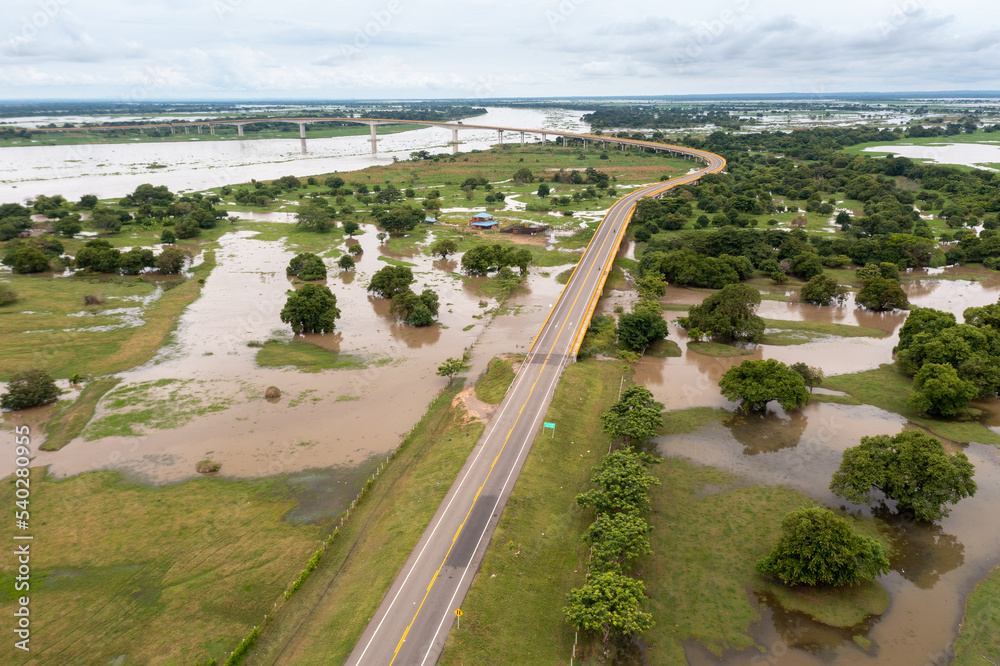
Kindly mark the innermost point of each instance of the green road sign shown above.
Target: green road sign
(549, 425)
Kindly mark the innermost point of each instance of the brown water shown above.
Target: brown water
(935, 567)
(340, 417)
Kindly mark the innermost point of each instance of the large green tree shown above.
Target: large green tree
(307, 266)
(755, 383)
(27, 259)
(608, 607)
(414, 309)
(641, 327)
(623, 482)
(881, 294)
(911, 468)
(729, 314)
(817, 547)
(391, 280)
(939, 391)
(635, 418)
(823, 290)
(311, 309)
(617, 538)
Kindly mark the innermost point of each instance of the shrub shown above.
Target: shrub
(7, 295)
(30, 388)
(207, 467)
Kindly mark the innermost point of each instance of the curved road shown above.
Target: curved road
(414, 618)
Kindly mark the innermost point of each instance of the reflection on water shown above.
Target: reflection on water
(766, 432)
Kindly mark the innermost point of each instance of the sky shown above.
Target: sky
(477, 49)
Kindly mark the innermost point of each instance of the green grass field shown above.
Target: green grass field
(177, 574)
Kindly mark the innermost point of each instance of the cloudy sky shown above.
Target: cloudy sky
(261, 49)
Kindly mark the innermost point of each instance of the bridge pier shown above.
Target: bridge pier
(544, 139)
(239, 130)
(199, 129)
(500, 136)
(172, 130)
(373, 140)
(454, 141)
(522, 139)
(302, 130)
(187, 129)
(211, 128)
(585, 144)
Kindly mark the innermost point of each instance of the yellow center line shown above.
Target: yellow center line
(475, 499)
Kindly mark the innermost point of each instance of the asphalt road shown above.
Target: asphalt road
(414, 618)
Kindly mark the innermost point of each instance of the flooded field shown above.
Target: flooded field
(341, 417)
(935, 565)
(111, 170)
(970, 154)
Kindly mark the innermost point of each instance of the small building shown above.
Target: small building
(483, 221)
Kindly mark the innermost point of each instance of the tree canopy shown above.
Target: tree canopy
(756, 383)
(911, 468)
(623, 481)
(307, 266)
(939, 391)
(817, 547)
(311, 309)
(641, 327)
(391, 280)
(608, 607)
(635, 417)
(729, 314)
(823, 290)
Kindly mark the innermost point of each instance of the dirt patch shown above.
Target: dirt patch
(475, 409)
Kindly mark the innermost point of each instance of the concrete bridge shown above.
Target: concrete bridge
(455, 127)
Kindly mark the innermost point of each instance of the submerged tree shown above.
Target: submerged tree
(756, 383)
(911, 468)
(311, 309)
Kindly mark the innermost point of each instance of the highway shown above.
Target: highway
(417, 613)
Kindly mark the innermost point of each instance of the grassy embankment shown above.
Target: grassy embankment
(492, 386)
(786, 332)
(176, 574)
(708, 531)
(324, 619)
(978, 643)
(222, 133)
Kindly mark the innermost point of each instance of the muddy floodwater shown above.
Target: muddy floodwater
(336, 417)
(936, 565)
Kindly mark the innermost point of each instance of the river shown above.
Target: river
(114, 169)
